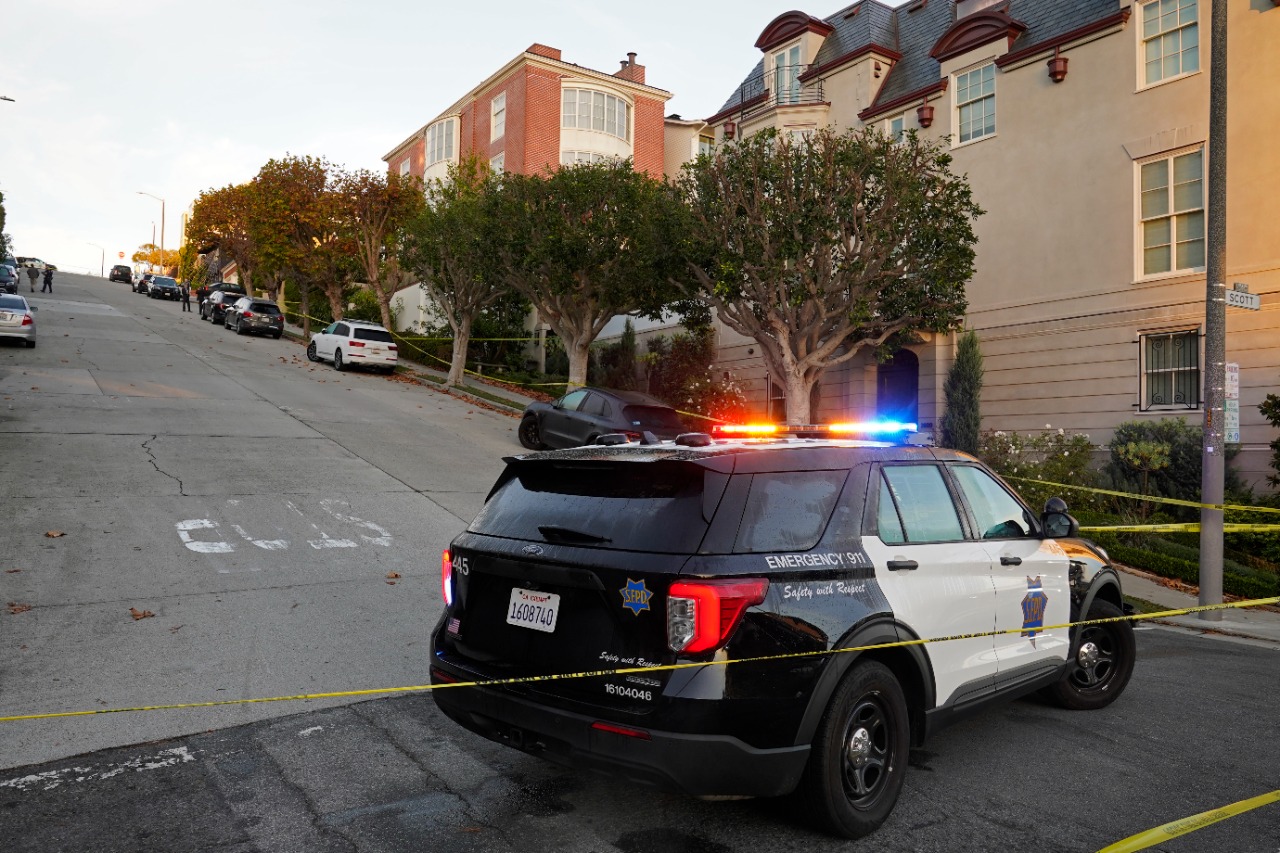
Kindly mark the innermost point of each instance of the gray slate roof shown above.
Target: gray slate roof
(914, 33)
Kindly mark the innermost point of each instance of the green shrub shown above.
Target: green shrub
(1248, 586)
(1055, 456)
(613, 365)
(1180, 477)
(962, 420)
(681, 373)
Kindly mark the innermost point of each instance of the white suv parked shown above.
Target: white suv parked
(350, 343)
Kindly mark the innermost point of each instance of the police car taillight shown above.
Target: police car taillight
(446, 578)
(702, 615)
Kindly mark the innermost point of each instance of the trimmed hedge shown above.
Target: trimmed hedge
(1186, 570)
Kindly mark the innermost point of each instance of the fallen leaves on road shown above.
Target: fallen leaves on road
(15, 607)
(393, 575)
(54, 534)
(175, 629)
(12, 571)
(140, 614)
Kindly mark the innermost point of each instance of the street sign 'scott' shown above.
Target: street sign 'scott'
(1240, 299)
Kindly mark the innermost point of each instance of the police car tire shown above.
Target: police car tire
(1100, 685)
(838, 796)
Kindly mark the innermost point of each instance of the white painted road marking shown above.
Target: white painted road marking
(50, 779)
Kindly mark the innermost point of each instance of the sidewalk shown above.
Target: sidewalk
(515, 401)
(1251, 622)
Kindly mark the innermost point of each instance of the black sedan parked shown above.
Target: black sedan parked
(163, 287)
(582, 416)
(254, 315)
(214, 309)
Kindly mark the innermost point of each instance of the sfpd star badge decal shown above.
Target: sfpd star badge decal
(1033, 607)
(635, 596)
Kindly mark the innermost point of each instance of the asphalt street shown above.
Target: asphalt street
(257, 504)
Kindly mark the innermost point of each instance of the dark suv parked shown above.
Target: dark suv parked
(254, 315)
(581, 416)
(121, 272)
(214, 308)
(709, 584)
(164, 287)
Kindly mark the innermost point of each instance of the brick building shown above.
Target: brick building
(533, 114)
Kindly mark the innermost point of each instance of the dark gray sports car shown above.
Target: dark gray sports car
(582, 416)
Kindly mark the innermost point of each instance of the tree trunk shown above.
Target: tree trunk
(304, 294)
(461, 337)
(384, 306)
(579, 352)
(798, 389)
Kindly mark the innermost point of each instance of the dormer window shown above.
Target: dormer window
(440, 141)
(587, 109)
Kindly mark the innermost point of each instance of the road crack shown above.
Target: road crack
(151, 456)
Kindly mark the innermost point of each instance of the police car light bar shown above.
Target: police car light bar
(878, 428)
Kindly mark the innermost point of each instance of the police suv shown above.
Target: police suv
(757, 616)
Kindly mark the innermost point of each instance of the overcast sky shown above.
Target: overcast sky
(112, 97)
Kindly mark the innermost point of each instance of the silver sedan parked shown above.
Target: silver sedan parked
(17, 319)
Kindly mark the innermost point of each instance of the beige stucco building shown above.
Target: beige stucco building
(1083, 129)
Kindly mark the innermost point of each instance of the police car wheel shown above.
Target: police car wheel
(1103, 662)
(858, 760)
(528, 434)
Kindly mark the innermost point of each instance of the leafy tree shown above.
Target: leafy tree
(962, 420)
(584, 244)
(301, 229)
(1270, 409)
(820, 247)
(223, 219)
(378, 204)
(445, 245)
(152, 255)
(192, 268)
(4, 238)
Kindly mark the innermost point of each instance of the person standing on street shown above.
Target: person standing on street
(32, 275)
(186, 296)
(48, 281)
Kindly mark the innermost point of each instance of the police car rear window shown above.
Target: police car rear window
(654, 507)
(788, 511)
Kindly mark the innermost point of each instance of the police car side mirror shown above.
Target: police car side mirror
(1059, 525)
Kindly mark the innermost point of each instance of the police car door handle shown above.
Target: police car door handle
(1011, 561)
(898, 565)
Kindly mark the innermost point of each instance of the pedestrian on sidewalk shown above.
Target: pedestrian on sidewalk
(185, 289)
(32, 275)
(48, 281)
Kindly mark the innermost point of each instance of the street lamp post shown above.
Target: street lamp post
(102, 267)
(157, 198)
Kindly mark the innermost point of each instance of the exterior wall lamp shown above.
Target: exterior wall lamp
(730, 129)
(924, 114)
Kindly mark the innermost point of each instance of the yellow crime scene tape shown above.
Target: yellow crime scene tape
(1148, 498)
(1173, 829)
(1190, 527)
(532, 679)
(1133, 843)
(408, 338)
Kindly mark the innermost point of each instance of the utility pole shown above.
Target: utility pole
(1215, 323)
(102, 267)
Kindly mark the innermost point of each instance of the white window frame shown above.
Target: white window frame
(706, 143)
(1171, 212)
(1162, 34)
(1166, 368)
(980, 98)
(604, 108)
(498, 163)
(786, 75)
(405, 165)
(440, 140)
(899, 133)
(498, 116)
(574, 158)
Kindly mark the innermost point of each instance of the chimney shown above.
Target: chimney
(543, 50)
(630, 70)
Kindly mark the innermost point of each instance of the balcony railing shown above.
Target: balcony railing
(780, 87)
